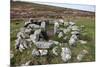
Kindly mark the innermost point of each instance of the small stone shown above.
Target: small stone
(56, 26)
(35, 52)
(28, 30)
(73, 40)
(35, 37)
(54, 42)
(54, 50)
(75, 28)
(34, 26)
(71, 23)
(75, 32)
(81, 55)
(60, 35)
(65, 31)
(65, 54)
(43, 25)
(43, 52)
(21, 48)
(61, 20)
(43, 44)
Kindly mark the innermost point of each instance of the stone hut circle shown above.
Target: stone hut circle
(57, 36)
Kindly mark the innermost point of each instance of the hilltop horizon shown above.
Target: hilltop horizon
(85, 7)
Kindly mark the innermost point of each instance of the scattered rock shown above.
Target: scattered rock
(43, 25)
(81, 55)
(60, 35)
(75, 32)
(56, 26)
(54, 50)
(35, 52)
(34, 26)
(43, 52)
(54, 42)
(43, 44)
(65, 54)
(65, 31)
(73, 40)
(71, 23)
(61, 20)
(35, 37)
(75, 28)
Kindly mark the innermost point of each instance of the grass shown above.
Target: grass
(21, 58)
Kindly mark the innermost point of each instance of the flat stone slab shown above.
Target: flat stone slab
(43, 44)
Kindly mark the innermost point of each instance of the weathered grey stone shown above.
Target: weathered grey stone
(35, 52)
(68, 29)
(65, 54)
(61, 20)
(73, 40)
(43, 44)
(43, 52)
(54, 42)
(35, 37)
(60, 35)
(20, 34)
(24, 33)
(75, 32)
(34, 26)
(54, 50)
(19, 44)
(75, 28)
(81, 55)
(43, 25)
(29, 42)
(71, 23)
(21, 48)
(22, 42)
(65, 31)
(26, 23)
(56, 26)
(28, 30)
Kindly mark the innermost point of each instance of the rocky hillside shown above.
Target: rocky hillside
(26, 10)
